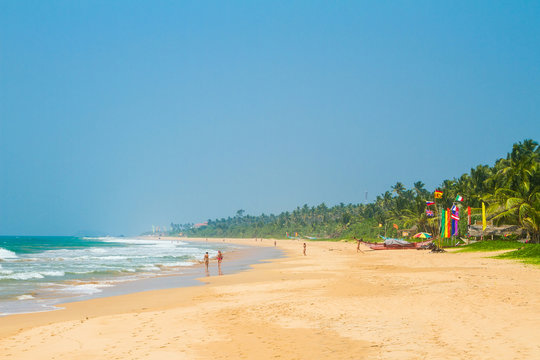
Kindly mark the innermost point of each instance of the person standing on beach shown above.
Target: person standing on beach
(275, 243)
(219, 260)
(206, 261)
(304, 249)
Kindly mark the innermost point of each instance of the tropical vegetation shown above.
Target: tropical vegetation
(509, 189)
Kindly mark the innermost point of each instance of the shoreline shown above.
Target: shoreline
(333, 303)
(238, 259)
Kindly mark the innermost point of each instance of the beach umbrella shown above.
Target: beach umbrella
(422, 235)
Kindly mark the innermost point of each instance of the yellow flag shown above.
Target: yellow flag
(483, 217)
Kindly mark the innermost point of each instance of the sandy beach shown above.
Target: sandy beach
(333, 303)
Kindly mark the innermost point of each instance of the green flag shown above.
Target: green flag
(443, 222)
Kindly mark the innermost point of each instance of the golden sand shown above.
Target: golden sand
(333, 303)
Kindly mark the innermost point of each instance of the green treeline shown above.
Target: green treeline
(509, 189)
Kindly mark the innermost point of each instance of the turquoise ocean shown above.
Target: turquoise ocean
(38, 272)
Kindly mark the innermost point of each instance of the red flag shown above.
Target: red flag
(469, 214)
(448, 224)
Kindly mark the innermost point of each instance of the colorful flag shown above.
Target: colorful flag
(484, 225)
(443, 222)
(469, 215)
(453, 224)
(438, 194)
(429, 212)
(454, 207)
(430, 203)
(395, 226)
(448, 223)
(455, 217)
(459, 198)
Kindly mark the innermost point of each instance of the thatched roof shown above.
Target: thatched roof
(476, 230)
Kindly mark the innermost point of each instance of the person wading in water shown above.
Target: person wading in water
(206, 262)
(219, 260)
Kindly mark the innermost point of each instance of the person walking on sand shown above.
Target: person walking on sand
(359, 241)
(304, 249)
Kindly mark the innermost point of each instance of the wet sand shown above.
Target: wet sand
(333, 303)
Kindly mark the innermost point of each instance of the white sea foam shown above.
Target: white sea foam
(129, 241)
(98, 250)
(86, 289)
(178, 263)
(52, 273)
(163, 243)
(150, 267)
(25, 297)
(22, 276)
(7, 254)
(10, 275)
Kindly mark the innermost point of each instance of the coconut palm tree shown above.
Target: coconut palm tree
(519, 168)
(419, 188)
(517, 207)
(399, 188)
(517, 200)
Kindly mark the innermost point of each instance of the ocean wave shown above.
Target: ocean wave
(22, 276)
(178, 263)
(122, 257)
(150, 267)
(101, 271)
(159, 243)
(25, 297)
(7, 254)
(10, 275)
(97, 250)
(52, 273)
(128, 241)
(86, 289)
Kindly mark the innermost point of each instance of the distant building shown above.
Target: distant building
(196, 226)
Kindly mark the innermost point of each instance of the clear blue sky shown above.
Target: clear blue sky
(116, 115)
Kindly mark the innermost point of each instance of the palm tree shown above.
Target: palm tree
(517, 207)
(520, 166)
(481, 183)
(517, 200)
(399, 188)
(419, 188)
